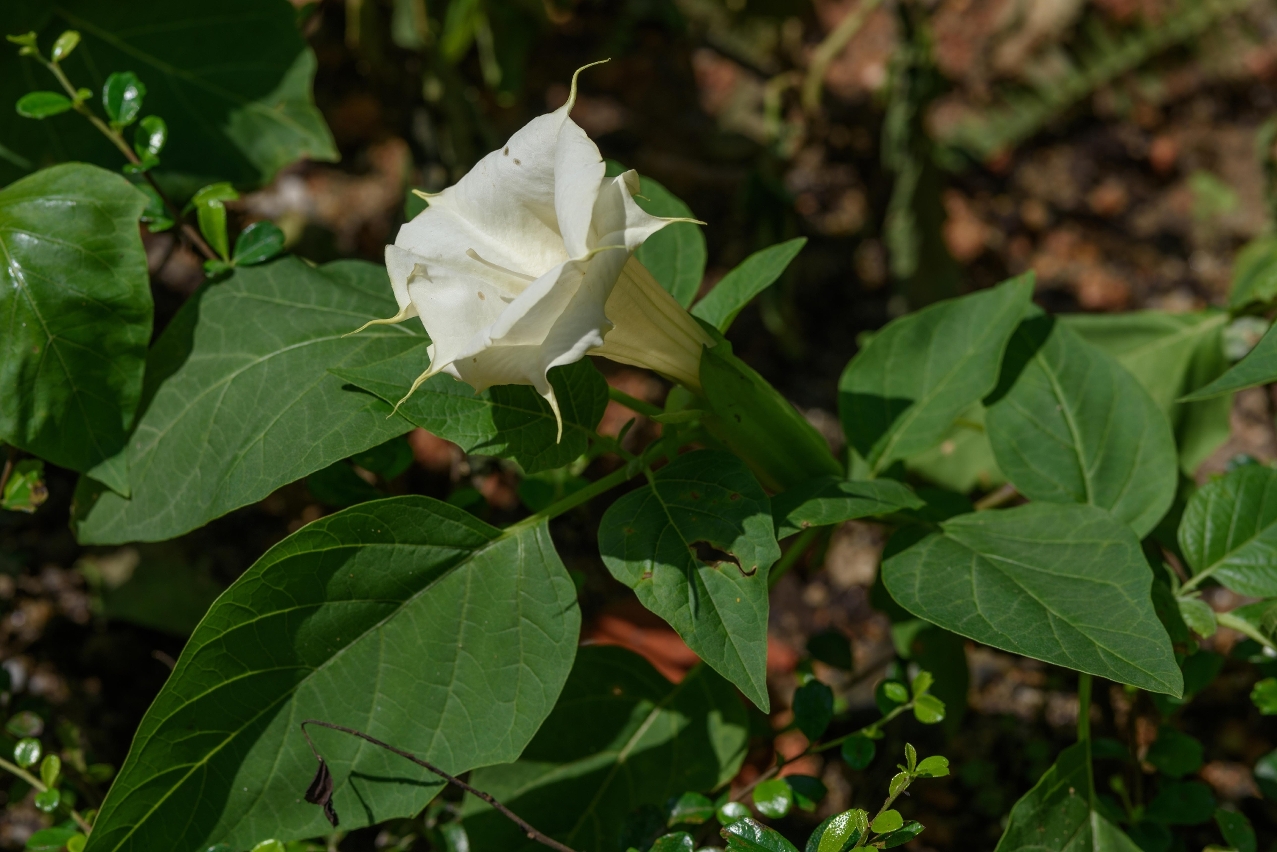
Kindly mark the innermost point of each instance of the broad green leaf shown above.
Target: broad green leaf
(42, 104)
(1057, 815)
(695, 545)
(1259, 367)
(405, 618)
(902, 835)
(904, 390)
(1068, 424)
(239, 400)
(232, 79)
(50, 839)
(858, 751)
(75, 317)
(675, 255)
(830, 500)
(690, 808)
(1067, 584)
(1169, 354)
(773, 798)
(1229, 531)
(1255, 273)
(738, 288)
(962, 461)
(621, 737)
(511, 421)
(746, 835)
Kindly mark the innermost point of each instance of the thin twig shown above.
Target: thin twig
(40, 787)
(830, 48)
(527, 828)
(9, 464)
(118, 141)
(997, 498)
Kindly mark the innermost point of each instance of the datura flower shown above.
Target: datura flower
(527, 264)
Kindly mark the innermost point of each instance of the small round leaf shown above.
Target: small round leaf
(773, 798)
(257, 243)
(928, 709)
(50, 769)
(26, 752)
(48, 800)
(65, 44)
(935, 766)
(25, 724)
(42, 104)
(151, 136)
(122, 97)
(887, 821)
(729, 812)
(858, 751)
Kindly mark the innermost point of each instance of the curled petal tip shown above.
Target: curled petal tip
(571, 101)
(406, 312)
(416, 384)
(548, 396)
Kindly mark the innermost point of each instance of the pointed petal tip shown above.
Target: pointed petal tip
(571, 101)
(406, 312)
(548, 396)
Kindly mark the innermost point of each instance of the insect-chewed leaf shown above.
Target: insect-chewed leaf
(239, 400)
(320, 792)
(234, 85)
(1067, 584)
(621, 737)
(696, 545)
(406, 617)
(1069, 424)
(904, 390)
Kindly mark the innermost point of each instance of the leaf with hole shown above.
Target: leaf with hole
(1229, 531)
(76, 300)
(406, 618)
(1063, 583)
(621, 737)
(239, 400)
(232, 80)
(828, 500)
(1069, 424)
(752, 276)
(696, 544)
(903, 391)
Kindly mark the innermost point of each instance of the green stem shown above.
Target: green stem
(1084, 728)
(1227, 619)
(637, 405)
(576, 498)
(791, 556)
(117, 139)
(40, 787)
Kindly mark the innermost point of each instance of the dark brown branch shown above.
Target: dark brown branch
(321, 787)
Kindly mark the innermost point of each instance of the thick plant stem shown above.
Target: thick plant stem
(40, 787)
(531, 832)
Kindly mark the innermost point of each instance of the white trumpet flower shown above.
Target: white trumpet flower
(527, 264)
